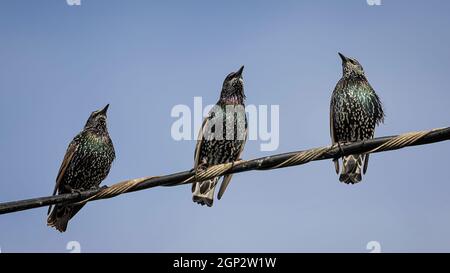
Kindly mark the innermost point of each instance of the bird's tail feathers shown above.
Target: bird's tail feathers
(60, 216)
(351, 169)
(366, 163)
(224, 185)
(203, 192)
(336, 165)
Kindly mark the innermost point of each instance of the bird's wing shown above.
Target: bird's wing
(198, 146)
(374, 106)
(71, 150)
(366, 161)
(227, 178)
(333, 135)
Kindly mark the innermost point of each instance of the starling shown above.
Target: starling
(222, 137)
(87, 162)
(355, 110)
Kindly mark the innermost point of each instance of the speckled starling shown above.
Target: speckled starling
(222, 137)
(87, 162)
(354, 112)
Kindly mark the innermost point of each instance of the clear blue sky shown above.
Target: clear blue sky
(58, 63)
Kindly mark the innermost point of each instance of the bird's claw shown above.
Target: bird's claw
(201, 167)
(339, 143)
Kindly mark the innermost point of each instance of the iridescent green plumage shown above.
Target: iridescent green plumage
(355, 111)
(87, 162)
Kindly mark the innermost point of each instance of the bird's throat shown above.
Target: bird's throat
(233, 100)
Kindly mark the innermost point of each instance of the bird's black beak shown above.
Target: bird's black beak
(104, 110)
(239, 72)
(343, 58)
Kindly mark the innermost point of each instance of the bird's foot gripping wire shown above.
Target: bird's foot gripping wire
(339, 143)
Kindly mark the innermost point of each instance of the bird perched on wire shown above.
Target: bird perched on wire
(355, 111)
(87, 162)
(221, 138)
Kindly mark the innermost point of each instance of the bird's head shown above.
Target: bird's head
(350, 66)
(233, 85)
(97, 119)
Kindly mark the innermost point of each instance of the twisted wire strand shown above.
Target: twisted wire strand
(402, 140)
(303, 157)
(117, 189)
(215, 171)
(298, 158)
(265, 163)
